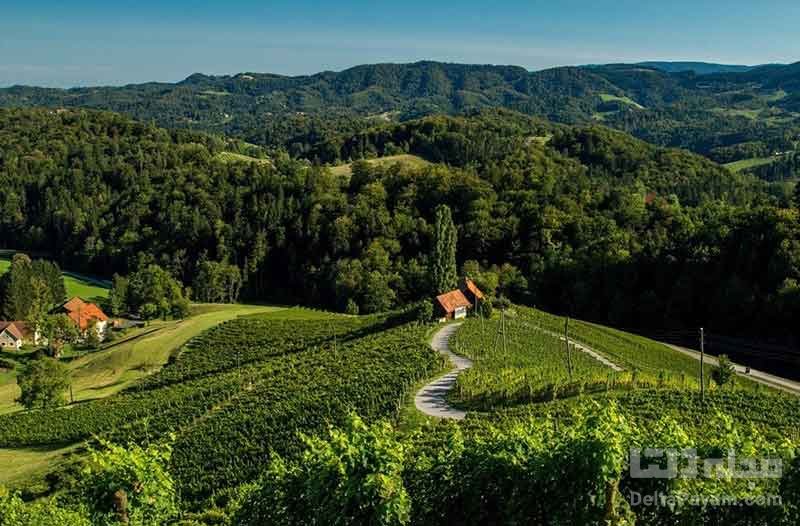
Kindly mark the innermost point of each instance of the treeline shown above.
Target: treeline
(783, 168)
(599, 225)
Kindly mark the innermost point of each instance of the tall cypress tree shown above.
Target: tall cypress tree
(16, 288)
(444, 275)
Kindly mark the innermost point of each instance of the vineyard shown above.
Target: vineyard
(244, 390)
(524, 358)
(773, 413)
(628, 350)
(548, 422)
(528, 365)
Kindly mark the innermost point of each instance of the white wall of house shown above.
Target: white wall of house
(7, 341)
(101, 327)
(460, 312)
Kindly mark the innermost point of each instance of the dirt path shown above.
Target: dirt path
(757, 376)
(432, 399)
(586, 350)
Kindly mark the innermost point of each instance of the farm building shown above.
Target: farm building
(454, 305)
(15, 334)
(11, 336)
(85, 314)
(471, 291)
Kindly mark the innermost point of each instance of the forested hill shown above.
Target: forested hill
(700, 68)
(727, 116)
(581, 220)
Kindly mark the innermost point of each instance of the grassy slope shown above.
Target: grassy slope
(77, 284)
(744, 164)
(229, 157)
(25, 467)
(103, 373)
(20, 464)
(406, 159)
(106, 372)
(535, 362)
(607, 97)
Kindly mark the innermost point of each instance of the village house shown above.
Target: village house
(454, 305)
(84, 315)
(10, 335)
(15, 334)
(471, 291)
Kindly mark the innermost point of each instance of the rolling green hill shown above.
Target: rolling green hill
(700, 68)
(297, 112)
(300, 371)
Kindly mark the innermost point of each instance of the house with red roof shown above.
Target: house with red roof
(471, 291)
(454, 305)
(11, 335)
(85, 315)
(15, 334)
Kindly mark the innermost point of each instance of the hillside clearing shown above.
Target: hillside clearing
(231, 157)
(744, 164)
(607, 97)
(411, 161)
(738, 112)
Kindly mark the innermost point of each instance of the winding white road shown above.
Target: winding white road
(432, 399)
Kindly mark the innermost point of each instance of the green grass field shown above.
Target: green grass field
(105, 372)
(776, 96)
(607, 97)
(751, 114)
(20, 465)
(230, 157)
(412, 161)
(744, 164)
(77, 284)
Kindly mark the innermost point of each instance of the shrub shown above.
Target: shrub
(354, 477)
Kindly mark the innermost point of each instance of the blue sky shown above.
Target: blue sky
(58, 43)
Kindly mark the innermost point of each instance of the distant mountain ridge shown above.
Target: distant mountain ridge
(724, 106)
(699, 68)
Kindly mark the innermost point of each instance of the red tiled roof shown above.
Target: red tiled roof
(11, 328)
(473, 288)
(74, 304)
(450, 301)
(83, 313)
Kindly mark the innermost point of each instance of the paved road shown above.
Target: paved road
(432, 399)
(757, 376)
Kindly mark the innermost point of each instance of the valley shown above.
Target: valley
(240, 391)
(402, 294)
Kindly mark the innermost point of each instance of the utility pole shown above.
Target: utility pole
(504, 330)
(702, 364)
(496, 337)
(569, 350)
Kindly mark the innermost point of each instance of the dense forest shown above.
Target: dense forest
(581, 220)
(701, 108)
